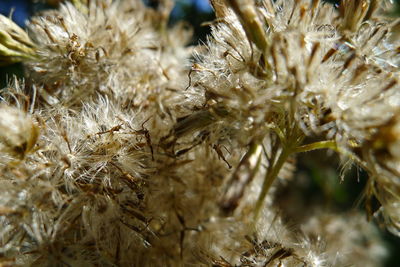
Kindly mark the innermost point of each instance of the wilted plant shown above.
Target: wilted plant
(117, 150)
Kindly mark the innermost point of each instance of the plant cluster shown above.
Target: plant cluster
(124, 146)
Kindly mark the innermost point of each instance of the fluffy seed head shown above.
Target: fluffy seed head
(18, 131)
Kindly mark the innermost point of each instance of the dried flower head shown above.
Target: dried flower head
(315, 73)
(18, 132)
(112, 48)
